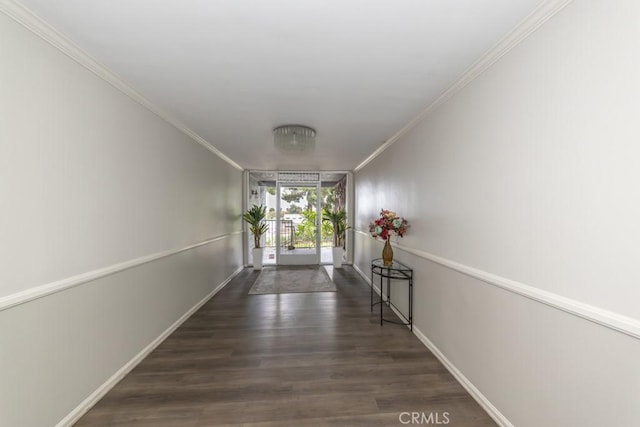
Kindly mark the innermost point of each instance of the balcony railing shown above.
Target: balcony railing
(288, 236)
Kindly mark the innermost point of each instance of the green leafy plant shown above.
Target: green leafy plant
(338, 220)
(306, 230)
(255, 218)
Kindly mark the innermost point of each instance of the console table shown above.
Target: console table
(396, 271)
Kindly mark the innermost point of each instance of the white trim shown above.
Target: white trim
(99, 393)
(618, 322)
(493, 412)
(367, 279)
(531, 23)
(22, 15)
(31, 294)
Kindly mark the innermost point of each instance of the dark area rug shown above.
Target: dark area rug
(288, 279)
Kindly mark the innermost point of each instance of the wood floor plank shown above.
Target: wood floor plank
(316, 359)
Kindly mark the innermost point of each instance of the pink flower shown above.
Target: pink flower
(389, 224)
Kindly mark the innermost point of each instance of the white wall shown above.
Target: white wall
(92, 182)
(529, 176)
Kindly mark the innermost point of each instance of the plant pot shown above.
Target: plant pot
(338, 253)
(257, 258)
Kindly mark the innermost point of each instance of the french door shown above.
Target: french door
(299, 223)
(294, 203)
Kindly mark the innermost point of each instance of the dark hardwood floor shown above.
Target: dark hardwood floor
(309, 359)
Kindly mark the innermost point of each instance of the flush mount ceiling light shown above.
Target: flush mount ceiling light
(294, 138)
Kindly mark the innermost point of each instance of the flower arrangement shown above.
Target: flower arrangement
(389, 224)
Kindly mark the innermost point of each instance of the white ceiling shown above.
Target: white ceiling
(231, 70)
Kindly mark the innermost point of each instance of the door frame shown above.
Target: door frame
(248, 200)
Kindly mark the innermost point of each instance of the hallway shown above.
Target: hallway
(287, 360)
(135, 137)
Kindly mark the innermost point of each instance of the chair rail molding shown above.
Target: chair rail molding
(31, 294)
(25, 17)
(618, 322)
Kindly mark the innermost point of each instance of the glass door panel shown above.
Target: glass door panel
(298, 236)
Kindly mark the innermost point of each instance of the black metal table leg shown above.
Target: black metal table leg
(381, 300)
(371, 282)
(396, 271)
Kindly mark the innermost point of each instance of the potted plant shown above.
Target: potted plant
(338, 220)
(255, 218)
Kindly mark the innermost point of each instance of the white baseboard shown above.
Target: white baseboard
(493, 412)
(99, 393)
(361, 273)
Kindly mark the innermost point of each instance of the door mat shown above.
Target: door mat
(290, 279)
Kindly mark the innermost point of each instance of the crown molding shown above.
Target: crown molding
(531, 23)
(25, 17)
